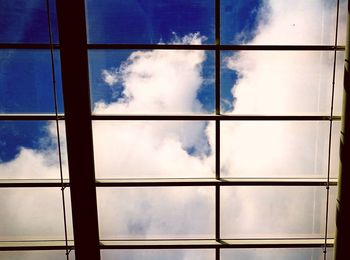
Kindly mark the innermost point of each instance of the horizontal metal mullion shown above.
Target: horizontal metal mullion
(215, 117)
(35, 245)
(149, 47)
(170, 244)
(180, 47)
(214, 47)
(30, 46)
(33, 183)
(207, 243)
(37, 183)
(31, 117)
(281, 47)
(276, 243)
(214, 182)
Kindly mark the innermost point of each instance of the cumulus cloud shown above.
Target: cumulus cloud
(174, 254)
(34, 255)
(32, 213)
(109, 77)
(284, 83)
(157, 81)
(41, 163)
(154, 81)
(281, 83)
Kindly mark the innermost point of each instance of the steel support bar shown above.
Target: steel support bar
(179, 47)
(213, 47)
(172, 244)
(35, 245)
(215, 182)
(35, 117)
(74, 66)
(213, 243)
(214, 117)
(341, 251)
(286, 182)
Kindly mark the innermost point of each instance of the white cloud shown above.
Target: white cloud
(41, 163)
(296, 22)
(157, 81)
(281, 83)
(284, 83)
(110, 77)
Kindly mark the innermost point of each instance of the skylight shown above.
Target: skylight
(207, 129)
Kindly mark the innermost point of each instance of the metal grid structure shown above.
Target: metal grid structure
(74, 64)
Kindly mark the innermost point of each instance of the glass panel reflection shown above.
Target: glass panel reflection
(158, 149)
(332, 212)
(33, 214)
(154, 213)
(335, 148)
(149, 254)
(36, 255)
(275, 149)
(274, 253)
(25, 21)
(278, 82)
(273, 212)
(277, 22)
(343, 12)
(29, 150)
(148, 21)
(152, 81)
(339, 86)
(26, 81)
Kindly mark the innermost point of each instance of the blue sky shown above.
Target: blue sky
(27, 76)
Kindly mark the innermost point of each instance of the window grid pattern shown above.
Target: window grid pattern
(216, 243)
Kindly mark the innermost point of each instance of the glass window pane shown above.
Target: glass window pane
(152, 81)
(35, 255)
(275, 149)
(273, 212)
(156, 212)
(333, 192)
(335, 148)
(33, 214)
(26, 21)
(343, 12)
(111, 21)
(278, 22)
(29, 150)
(277, 82)
(26, 81)
(149, 254)
(158, 149)
(273, 253)
(339, 84)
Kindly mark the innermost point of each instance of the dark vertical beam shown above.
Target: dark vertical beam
(341, 251)
(74, 64)
(217, 124)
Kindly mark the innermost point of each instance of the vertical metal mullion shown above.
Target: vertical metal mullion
(330, 132)
(341, 251)
(75, 80)
(217, 125)
(55, 101)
